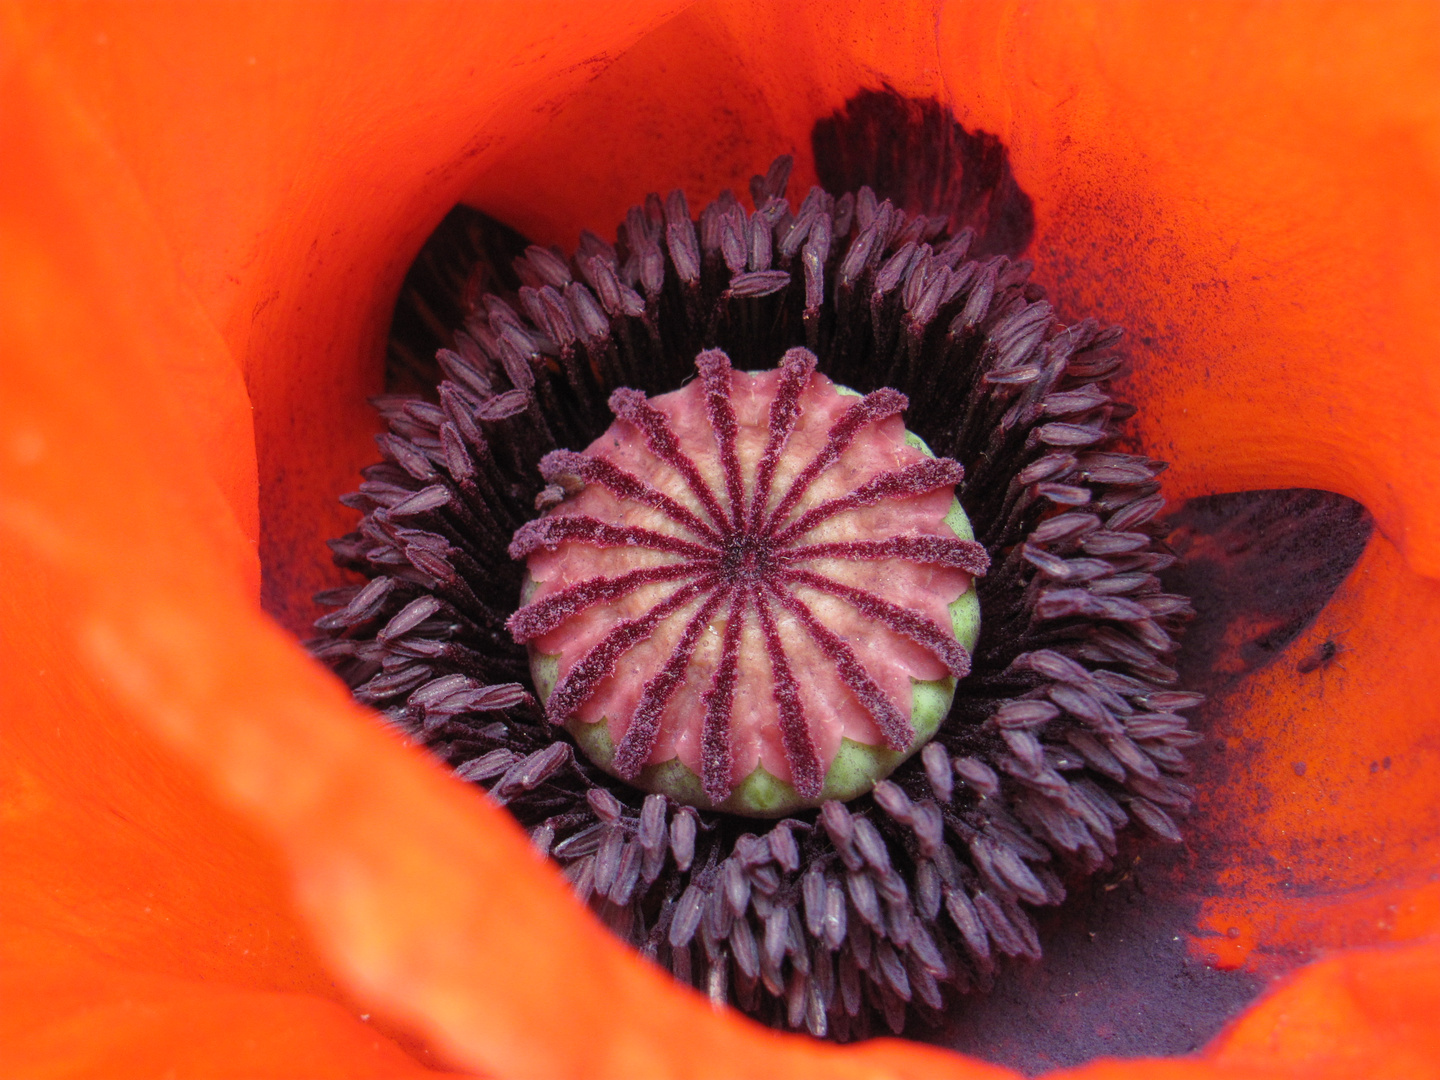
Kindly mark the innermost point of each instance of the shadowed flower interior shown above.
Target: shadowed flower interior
(1065, 729)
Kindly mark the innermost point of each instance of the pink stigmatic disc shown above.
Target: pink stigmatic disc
(744, 573)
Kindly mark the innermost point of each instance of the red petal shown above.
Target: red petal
(1260, 178)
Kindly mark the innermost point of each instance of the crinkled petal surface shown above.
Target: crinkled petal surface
(217, 865)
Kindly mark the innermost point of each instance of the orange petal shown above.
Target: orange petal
(1253, 190)
(1261, 178)
(134, 910)
(1368, 1013)
(1328, 819)
(137, 625)
(420, 895)
(97, 1021)
(248, 128)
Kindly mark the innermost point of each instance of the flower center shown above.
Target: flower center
(753, 593)
(747, 583)
(746, 558)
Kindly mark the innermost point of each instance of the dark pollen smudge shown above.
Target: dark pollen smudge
(1323, 656)
(1259, 566)
(914, 153)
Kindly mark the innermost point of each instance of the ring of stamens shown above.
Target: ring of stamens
(1066, 732)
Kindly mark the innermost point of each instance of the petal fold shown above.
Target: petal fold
(199, 206)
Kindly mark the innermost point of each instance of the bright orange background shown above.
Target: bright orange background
(214, 861)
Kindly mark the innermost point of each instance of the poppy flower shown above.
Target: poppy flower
(217, 864)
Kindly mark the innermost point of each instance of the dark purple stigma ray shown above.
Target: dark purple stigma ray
(870, 409)
(639, 739)
(917, 479)
(796, 369)
(950, 552)
(551, 532)
(806, 772)
(715, 752)
(714, 367)
(895, 728)
(920, 629)
(575, 688)
(558, 464)
(539, 618)
(633, 407)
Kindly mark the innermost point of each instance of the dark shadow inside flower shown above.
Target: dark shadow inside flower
(1128, 899)
(1118, 977)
